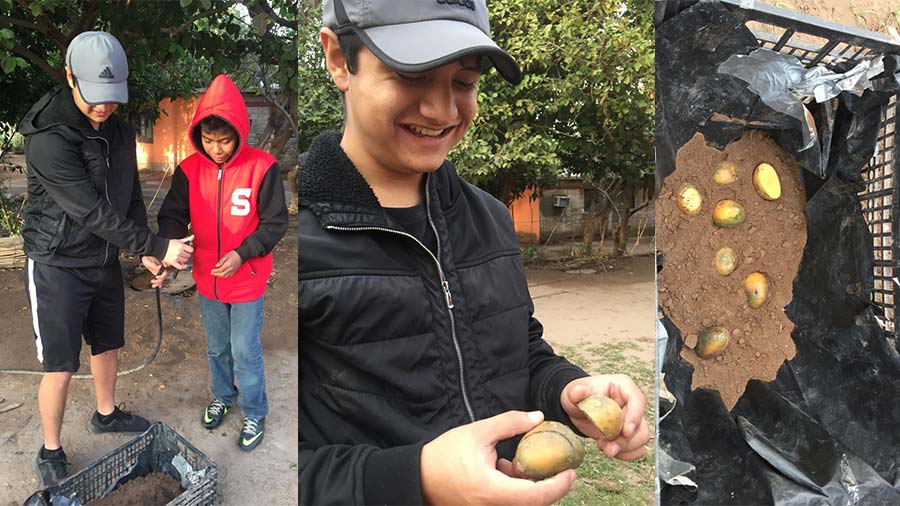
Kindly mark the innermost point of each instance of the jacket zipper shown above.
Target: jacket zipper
(105, 190)
(448, 297)
(218, 230)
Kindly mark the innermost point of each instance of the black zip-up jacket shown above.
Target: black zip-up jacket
(387, 328)
(84, 196)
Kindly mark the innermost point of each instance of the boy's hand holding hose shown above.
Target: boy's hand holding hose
(156, 268)
(179, 252)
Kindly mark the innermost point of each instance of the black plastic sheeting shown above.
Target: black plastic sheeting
(827, 430)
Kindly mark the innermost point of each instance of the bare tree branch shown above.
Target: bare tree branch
(24, 24)
(87, 19)
(46, 26)
(175, 30)
(56, 74)
(264, 6)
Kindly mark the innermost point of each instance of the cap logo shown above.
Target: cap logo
(106, 74)
(469, 4)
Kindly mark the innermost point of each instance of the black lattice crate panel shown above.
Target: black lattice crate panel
(814, 42)
(153, 452)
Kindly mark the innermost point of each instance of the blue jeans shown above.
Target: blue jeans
(234, 349)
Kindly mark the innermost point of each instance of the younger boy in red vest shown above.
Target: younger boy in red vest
(232, 196)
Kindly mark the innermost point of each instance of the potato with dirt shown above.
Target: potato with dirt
(728, 214)
(547, 450)
(756, 286)
(726, 173)
(712, 342)
(690, 201)
(726, 261)
(766, 182)
(605, 414)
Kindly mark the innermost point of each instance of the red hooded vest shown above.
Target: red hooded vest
(223, 202)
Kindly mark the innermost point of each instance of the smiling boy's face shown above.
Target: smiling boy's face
(407, 123)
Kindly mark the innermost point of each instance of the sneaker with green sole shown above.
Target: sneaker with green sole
(252, 433)
(214, 414)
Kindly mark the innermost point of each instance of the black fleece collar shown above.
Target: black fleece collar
(333, 189)
(57, 108)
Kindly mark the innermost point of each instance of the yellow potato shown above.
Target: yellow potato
(689, 199)
(548, 449)
(757, 287)
(726, 173)
(766, 181)
(605, 414)
(728, 214)
(712, 342)
(726, 261)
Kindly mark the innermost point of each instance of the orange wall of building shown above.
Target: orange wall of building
(526, 216)
(170, 141)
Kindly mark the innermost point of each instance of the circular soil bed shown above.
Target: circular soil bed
(770, 240)
(155, 489)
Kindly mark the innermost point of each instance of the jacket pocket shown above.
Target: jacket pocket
(51, 233)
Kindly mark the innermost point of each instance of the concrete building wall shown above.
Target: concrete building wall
(170, 133)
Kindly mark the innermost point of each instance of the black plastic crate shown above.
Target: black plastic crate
(152, 451)
(816, 41)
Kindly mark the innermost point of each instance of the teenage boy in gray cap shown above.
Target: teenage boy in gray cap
(420, 360)
(84, 203)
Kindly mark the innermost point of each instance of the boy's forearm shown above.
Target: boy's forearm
(549, 373)
(360, 474)
(175, 214)
(273, 217)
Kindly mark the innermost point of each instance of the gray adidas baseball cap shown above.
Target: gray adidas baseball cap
(419, 35)
(98, 62)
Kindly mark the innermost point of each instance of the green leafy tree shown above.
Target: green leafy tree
(174, 50)
(584, 108)
(320, 100)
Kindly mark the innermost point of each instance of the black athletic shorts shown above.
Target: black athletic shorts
(67, 304)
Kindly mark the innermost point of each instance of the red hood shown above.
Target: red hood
(222, 99)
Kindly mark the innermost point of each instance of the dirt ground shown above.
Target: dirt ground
(174, 388)
(770, 241)
(611, 307)
(154, 489)
(604, 322)
(875, 15)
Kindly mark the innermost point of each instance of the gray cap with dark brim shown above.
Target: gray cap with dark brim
(419, 35)
(392, 45)
(98, 62)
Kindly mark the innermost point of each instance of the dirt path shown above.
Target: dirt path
(611, 307)
(174, 388)
(875, 15)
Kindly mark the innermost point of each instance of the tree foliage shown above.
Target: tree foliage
(584, 108)
(174, 49)
(319, 100)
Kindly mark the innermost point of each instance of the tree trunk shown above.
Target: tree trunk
(590, 220)
(625, 210)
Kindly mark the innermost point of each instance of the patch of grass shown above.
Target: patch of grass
(609, 481)
(11, 217)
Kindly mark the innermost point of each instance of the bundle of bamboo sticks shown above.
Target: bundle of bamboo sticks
(11, 254)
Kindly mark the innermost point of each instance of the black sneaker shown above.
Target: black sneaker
(252, 433)
(214, 414)
(119, 421)
(51, 470)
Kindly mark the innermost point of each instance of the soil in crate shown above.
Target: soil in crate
(154, 489)
(771, 240)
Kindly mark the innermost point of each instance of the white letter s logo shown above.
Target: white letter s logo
(240, 201)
